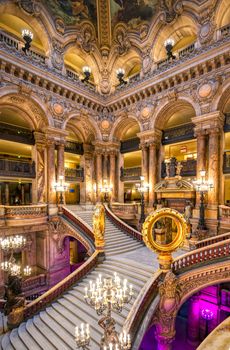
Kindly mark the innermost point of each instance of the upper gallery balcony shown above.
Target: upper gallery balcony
(20, 168)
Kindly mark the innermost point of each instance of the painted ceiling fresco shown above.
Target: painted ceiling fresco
(132, 12)
(73, 11)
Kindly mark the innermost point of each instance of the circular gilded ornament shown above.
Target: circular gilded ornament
(145, 113)
(164, 230)
(58, 109)
(205, 90)
(105, 124)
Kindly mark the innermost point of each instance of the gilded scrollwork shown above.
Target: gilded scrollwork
(99, 225)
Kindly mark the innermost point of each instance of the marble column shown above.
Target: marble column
(201, 157)
(39, 156)
(120, 164)
(105, 167)
(112, 174)
(51, 178)
(145, 167)
(60, 160)
(214, 167)
(7, 193)
(98, 174)
(152, 172)
(193, 326)
(23, 194)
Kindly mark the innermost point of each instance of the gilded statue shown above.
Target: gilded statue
(99, 225)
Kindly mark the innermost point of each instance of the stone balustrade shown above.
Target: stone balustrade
(224, 213)
(23, 214)
(34, 284)
(202, 256)
(125, 210)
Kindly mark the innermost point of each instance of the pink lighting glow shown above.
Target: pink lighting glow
(207, 314)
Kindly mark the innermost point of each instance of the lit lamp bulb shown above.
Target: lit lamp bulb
(120, 76)
(28, 37)
(27, 271)
(169, 44)
(87, 72)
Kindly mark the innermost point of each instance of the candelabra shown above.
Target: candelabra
(105, 296)
(202, 186)
(120, 76)
(142, 188)
(87, 72)
(169, 43)
(61, 187)
(28, 37)
(106, 190)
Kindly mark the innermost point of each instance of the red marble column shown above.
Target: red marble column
(152, 172)
(145, 166)
(51, 178)
(214, 166)
(98, 174)
(112, 174)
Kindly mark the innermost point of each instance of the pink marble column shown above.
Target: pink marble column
(98, 174)
(152, 172)
(145, 167)
(214, 166)
(60, 160)
(112, 174)
(201, 157)
(51, 178)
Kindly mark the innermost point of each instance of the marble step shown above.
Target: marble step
(131, 264)
(6, 344)
(16, 341)
(120, 244)
(130, 271)
(38, 336)
(117, 249)
(27, 339)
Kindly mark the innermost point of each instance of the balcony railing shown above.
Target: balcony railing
(188, 169)
(74, 174)
(129, 174)
(74, 147)
(12, 168)
(180, 133)
(225, 31)
(16, 134)
(130, 145)
(10, 41)
(226, 163)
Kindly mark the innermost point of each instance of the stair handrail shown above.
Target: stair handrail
(208, 253)
(142, 304)
(81, 223)
(121, 224)
(212, 240)
(61, 287)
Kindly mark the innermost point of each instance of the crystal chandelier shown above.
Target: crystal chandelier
(106, 295)
(12, 243)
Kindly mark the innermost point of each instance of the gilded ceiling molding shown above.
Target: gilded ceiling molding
(104, 26)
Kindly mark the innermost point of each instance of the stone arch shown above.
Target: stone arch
(165, 111)
(39, 23)
(86, 124)
(223, 98)
(184, 27)
(31, 107)
(122, 124)
(222, 14)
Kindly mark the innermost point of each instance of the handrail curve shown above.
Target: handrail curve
(57, 290)
(81, 223)
(212, 240)
(121, 224)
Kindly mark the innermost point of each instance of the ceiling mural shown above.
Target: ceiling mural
(132, 12)
(73, 11)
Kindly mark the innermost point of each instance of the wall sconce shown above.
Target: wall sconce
(169, 44)
(28, 37)
(87, 72)
(120, 76)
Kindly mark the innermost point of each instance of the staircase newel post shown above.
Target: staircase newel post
(99, 230)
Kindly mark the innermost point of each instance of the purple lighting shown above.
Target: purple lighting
(207, 314)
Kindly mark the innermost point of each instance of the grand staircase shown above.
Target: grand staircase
(53, 328)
